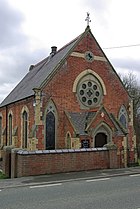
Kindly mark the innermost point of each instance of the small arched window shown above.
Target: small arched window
(0, 130)
(50, 126)
(123, 117)
(68, 141)
(50, 131)
(10, 129)
(25, 129)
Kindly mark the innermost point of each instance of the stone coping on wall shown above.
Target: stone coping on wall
(59, 151)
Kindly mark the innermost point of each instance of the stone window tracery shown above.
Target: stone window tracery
(90, 91)
(50, 125)
(123, 117)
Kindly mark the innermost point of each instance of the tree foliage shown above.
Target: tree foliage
(131, 84)
(133, 87)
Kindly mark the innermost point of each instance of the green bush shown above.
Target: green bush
(2, 175)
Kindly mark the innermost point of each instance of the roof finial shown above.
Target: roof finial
(88, 19)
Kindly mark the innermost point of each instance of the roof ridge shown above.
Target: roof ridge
(70, 42)
(40, 73)
(46, 58)
(42, 61)
(118, 123)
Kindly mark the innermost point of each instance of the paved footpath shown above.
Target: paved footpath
(66, 177)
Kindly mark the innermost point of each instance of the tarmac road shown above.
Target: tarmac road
(114, 192)
(67, 177)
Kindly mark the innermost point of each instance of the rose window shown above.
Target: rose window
(90, 93)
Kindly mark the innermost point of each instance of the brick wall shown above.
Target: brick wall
(16, 109)
(29, 163)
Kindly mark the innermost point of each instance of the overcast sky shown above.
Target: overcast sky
(28, 29)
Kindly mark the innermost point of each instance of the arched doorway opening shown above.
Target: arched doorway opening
(100, 139)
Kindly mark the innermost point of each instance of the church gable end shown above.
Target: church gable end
(75, 100)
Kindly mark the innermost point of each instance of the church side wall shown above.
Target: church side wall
(16, 110)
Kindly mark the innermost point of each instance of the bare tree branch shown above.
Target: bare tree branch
(132, 86)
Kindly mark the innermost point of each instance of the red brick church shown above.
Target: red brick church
(70, 100)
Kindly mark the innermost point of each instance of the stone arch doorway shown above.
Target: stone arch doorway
(100, 139)
(102, 135)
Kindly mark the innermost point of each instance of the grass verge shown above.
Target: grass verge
(2, 175)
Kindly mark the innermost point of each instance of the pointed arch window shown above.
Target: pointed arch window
(123, 117)
(25, 129)
(50, 131)
(0, 130)
(50, 126)
(68, 141)
(10, 128)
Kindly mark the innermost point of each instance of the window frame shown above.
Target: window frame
(25, 129)
(10, 129)
(123, 113)
(0, 130)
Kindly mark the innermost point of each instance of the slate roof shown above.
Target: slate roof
(120, 130)
(79, 120)
(39, 74)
